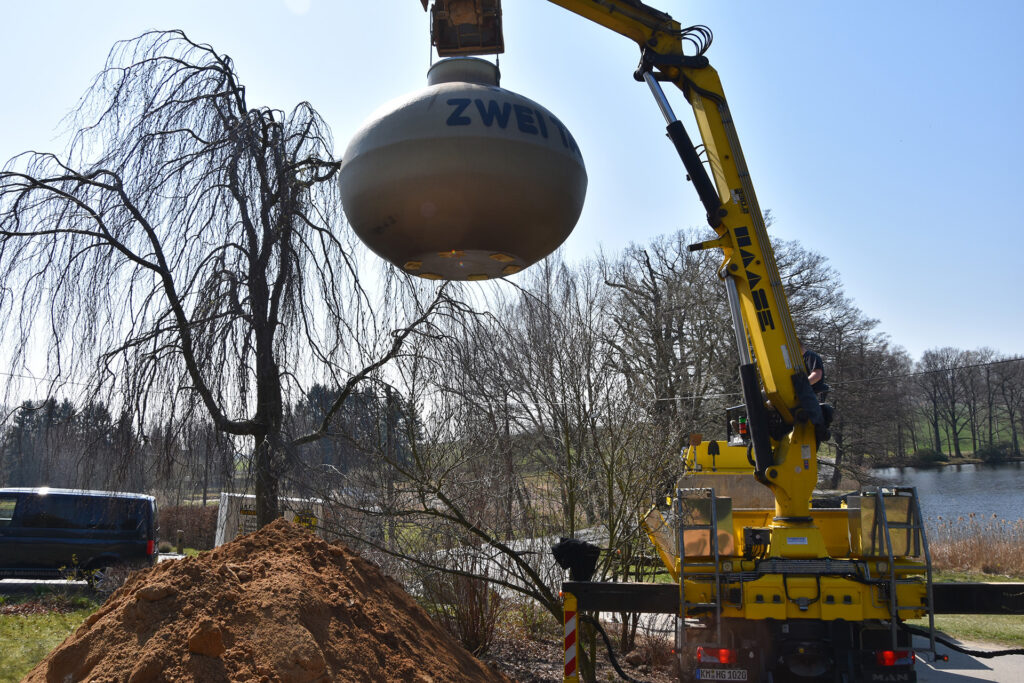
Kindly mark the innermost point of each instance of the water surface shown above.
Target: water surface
(959, 490)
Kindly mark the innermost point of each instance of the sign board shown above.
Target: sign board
(237, 515)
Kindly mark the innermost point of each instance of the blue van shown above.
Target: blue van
(52, 533)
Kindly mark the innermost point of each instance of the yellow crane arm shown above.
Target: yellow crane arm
(644, 25)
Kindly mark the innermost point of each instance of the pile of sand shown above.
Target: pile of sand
(277, 605)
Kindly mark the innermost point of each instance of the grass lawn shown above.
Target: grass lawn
(29, 629)
(1001, 629)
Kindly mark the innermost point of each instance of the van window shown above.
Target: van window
(55, 511)
(7, 505)
(49, 512)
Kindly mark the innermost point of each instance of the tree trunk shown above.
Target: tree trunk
(267, 482)
(837, 475)
(974, 432)
(990, 394)
(1014, 442)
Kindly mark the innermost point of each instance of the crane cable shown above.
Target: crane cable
(608, 645)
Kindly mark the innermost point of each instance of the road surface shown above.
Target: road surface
(961, 668)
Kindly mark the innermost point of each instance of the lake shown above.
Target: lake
(959, 490)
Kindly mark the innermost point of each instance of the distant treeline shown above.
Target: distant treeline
(56, 443)
(630, 353)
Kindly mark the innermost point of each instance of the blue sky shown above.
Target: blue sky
(879, 134)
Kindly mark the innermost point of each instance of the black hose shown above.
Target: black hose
(611, 653)
(982, 654)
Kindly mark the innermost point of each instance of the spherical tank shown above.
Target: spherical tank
(463, 180)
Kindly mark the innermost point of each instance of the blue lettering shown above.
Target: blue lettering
(524, 117)
(572, 145)
(567, 139)
(543, 126)
(456, 118)
(561, 131)
(494, 112)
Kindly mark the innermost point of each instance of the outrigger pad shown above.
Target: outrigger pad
(579, 557)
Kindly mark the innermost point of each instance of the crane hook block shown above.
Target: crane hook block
(466, 27)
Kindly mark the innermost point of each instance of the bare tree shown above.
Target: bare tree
(944, 379)
(185, 255)
(529, 431)
(672, 336)
(1009, 378)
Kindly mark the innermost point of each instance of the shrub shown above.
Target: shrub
(532, 620)
(199, 522)
(107, 580)
(656, 649)
(928, 457)
(995, 453)
(466, 606)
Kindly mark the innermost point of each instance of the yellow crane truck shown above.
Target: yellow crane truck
(791, 589)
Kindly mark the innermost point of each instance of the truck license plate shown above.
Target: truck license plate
(721, 674)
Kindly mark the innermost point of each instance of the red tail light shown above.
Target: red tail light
(716, 655)
(150, 546)
(895, 657)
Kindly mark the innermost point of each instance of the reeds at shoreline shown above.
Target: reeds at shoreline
(977, 544)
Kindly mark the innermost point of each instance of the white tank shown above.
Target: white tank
(463, 180)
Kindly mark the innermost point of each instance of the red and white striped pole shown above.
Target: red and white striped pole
(569, 616)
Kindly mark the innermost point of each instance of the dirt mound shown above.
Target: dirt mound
(277, 605)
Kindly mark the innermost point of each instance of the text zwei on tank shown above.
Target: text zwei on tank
(528, 121)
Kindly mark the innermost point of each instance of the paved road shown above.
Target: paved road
(961, 668)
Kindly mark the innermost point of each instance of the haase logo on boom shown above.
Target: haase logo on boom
(760, 298)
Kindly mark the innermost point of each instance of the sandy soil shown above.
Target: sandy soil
(277, 605)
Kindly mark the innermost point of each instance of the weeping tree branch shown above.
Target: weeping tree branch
(182, 254)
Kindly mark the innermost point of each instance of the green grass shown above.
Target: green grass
(999, 629)
(949, 576)
(28, 638)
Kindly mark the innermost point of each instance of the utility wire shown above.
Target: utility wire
(691, 397)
